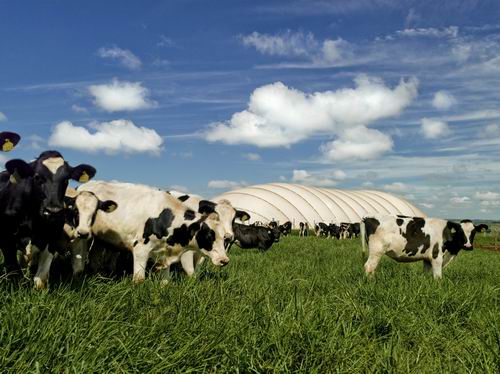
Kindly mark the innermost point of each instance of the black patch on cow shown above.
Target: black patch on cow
(205, 237)
(435, 250)
(399, 221)
(189, 215)
(206, 207)
(453, 238)
(415, 237)
(158, 226)
(48, 154)
(181, 236)
(183, 198)
(371, 225)
(135, 243)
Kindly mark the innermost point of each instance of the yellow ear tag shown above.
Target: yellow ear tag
(84, 177)
(7, 145)
(12, 179)
(244, 218)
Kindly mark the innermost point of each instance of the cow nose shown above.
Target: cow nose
(51, 210)
(224, 261)
(83, 235)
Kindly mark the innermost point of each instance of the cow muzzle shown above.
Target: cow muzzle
(221, 261)
(51, 211)
(468, 247)
(82, 234)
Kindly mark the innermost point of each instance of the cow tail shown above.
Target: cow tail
(362, 231)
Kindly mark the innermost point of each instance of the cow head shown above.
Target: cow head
(274, 232)
(50, 180)
(20, 183)
(8, 140)
(84, 207)
(462, 235)
(227, 214)
(208, 236)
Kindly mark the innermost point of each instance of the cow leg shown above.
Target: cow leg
(187, 262)
(141, 255)
(427, 266)
(42, 274)
(447, 259)
(10, 260)
(374, 256)
(437, 267)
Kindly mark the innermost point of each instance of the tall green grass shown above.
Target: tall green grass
(303, 306)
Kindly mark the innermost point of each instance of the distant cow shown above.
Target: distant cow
(8, 140)
(285, 228)
(304, 229)
(354, 230)
(334, 230)
(255, 236)
(31, 207)
(321, 229)
(151, 223)
(405, 239)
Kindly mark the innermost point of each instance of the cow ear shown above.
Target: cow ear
(206, 207)
(242, 215)
(83, 173)
(107, 206)
(69, 202)
(8, 140)
(481, 227)
(18, 169)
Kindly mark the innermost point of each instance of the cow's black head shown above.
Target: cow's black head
(461, 235)
(16, 196)
(275, 233)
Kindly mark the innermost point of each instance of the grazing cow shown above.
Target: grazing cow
(227, 215)
(33, 197)
(286, 228)
(8, 140)
(151, 223)
(406, 239)
(321, 229)
(354, 230)
(334, 230)
(345, 230)
(255, 236)
(304, 229)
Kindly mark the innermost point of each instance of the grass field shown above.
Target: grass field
(303, 306)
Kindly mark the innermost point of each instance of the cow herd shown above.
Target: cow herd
(42, 217)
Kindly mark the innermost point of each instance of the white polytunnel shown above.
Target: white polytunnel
(296, 203)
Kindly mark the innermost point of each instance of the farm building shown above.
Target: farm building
(298, 203)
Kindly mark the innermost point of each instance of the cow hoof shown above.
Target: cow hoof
(40, 284)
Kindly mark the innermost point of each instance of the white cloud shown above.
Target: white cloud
(460, 200)
(124, 56)
(118, 96)
(3, 117)
(487, 195)
(490, 130)
(398, 187)
(447, 32)
(427, 205)
(339, 174)
(78, 109)
(281, 116)
(304, 177)
(443, 100)
(432, 129)
(252, 156)
(357, 143)
(225, 184)
(119, 136)
(165, 41)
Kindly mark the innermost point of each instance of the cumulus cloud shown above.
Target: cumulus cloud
(252, 156)
(458, 200)
(432, 129)
(3, 117)
(487, 195)
(397, 187)
(225, 184)
(427, 205)
(304, 177)
(78, 109)
(280, 116)
(357, 143)
(301, 45)
(123, 56)
(443, 100)
(118, 96)
(119, 136)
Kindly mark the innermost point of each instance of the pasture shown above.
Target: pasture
(303, 306)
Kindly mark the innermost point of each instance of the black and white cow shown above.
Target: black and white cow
(255, 236)
(321, 229)
(151, 223)
(286, 228)
(334, 230)
(303, 229)
(8, 140)
(190, 260)
(406, 239)
(354, 230)
(33, 196)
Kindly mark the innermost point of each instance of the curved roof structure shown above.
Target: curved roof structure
(298, 203)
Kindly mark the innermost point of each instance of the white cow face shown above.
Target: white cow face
(210, 239)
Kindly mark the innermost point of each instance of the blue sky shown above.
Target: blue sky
(205, 96)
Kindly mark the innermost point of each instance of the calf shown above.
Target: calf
(33, 198)
(8, 140)
(286, 228)
(227, 215)
(255, 236)
(304, 229)
(151, 223)
(406, 239)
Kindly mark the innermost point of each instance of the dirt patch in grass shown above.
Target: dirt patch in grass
(490, 247)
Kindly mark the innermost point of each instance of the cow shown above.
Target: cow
(334, 230)
(354, 229)
(406, 239)
(321, 229)
(257, 223)
(151, 223)
(272, 224)
(8, 140)
(345, 230)
(304, 229)
(255, 236)
(33, 199)
(286, 228)
(227, 215)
